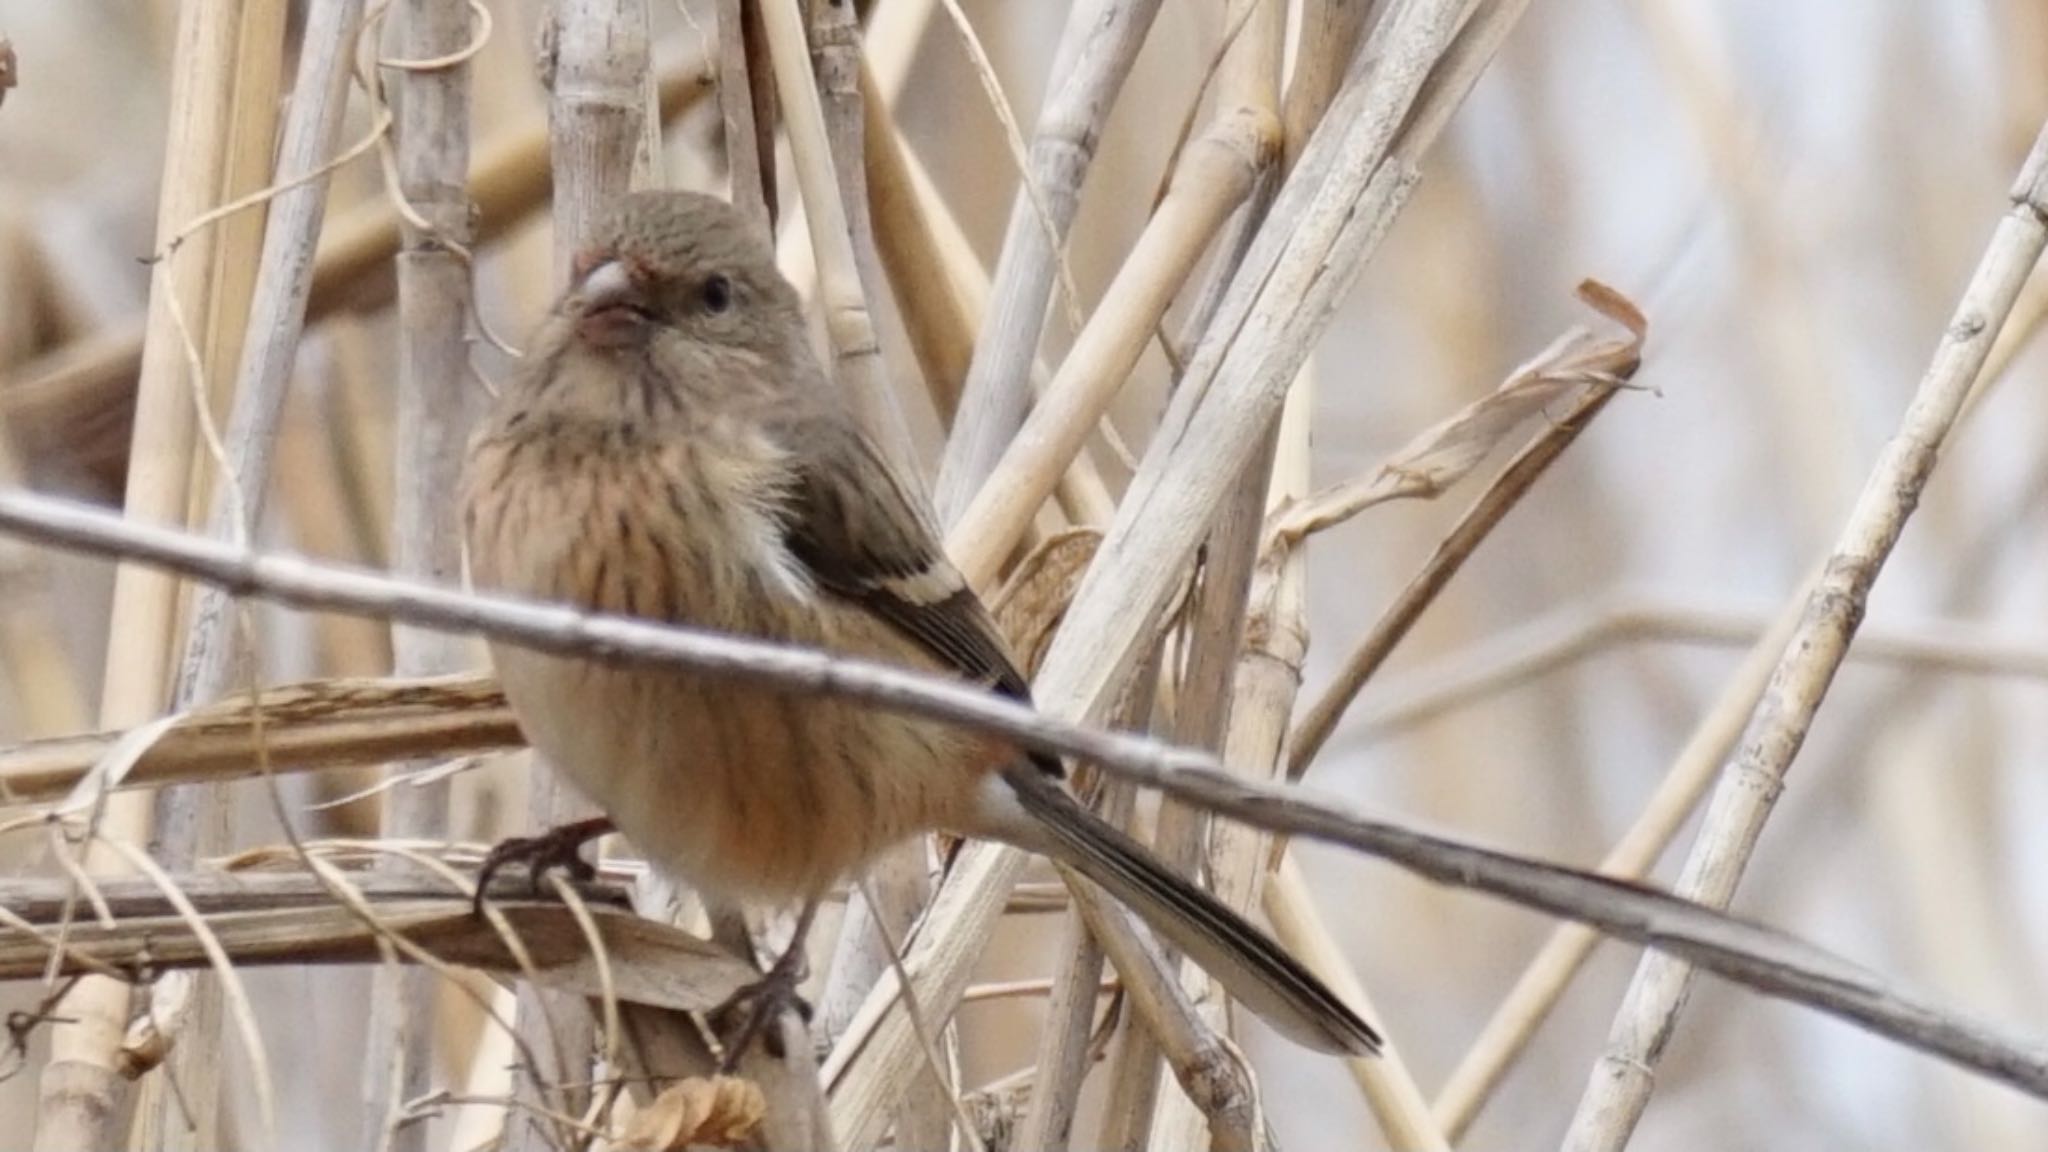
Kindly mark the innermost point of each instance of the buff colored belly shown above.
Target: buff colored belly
(741, 792)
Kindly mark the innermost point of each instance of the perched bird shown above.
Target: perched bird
(672, 449)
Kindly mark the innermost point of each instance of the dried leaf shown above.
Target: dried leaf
(1030, 605)
(1575, 363)
(109, 770)
(8, 79)
(167, 1006)
(719, 1112)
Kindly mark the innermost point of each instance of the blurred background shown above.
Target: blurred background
(1793, 193)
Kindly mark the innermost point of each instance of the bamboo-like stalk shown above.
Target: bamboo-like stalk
(188, 821)
(595, 72)
(900, 882)
(736, 84)
(1248, 101)
(594, 67)
(1213, 178)
(942, 289)
(827, 155)
(1096, 49)
(436, 406)
(1619, 1087)
(1065, 1042)
(1173, 497)
(82, 1098)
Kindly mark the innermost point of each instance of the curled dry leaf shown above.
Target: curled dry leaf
(167, 1003)
(1032, 602)
(1575, 363)
(8, 78)
(718, 1112)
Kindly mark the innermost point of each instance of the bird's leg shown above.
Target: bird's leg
(760, 1003)
(554, 848)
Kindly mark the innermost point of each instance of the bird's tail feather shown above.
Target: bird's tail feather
(1255, 971)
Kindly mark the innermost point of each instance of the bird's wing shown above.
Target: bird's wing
(867, 540)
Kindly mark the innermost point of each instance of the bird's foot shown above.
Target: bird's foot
(555, 848)
(750, 1013)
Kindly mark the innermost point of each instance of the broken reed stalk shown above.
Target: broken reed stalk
(1619, 1086)
(1096, 49)
(272, 919)
(82, 1100)
(1444, 561)
(436, 400)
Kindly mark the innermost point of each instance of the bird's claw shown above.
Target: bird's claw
(747, 1015)
(555, 848)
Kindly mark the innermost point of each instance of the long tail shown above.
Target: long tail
(1249, 965)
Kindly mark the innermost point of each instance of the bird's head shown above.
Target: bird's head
(668, 264)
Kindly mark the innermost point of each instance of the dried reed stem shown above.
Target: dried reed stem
(1564, 953)
(82, 1097)
(594, 65)
(828, 169)
(1215, 175)
(941, 289)
(1756, 957)
(1247, 115)
(270, 919)
(1096, 49)
(437, 402)
(190, 1117)
(747, 163)
(1619, 1087)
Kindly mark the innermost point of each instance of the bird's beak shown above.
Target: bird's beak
(606, 285)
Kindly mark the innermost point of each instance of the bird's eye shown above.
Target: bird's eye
(717, 294)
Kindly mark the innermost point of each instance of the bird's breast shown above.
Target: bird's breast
(684, 531)
(743, 791)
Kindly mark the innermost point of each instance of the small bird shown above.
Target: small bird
(672, 449)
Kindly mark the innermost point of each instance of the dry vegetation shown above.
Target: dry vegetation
(1338, 531)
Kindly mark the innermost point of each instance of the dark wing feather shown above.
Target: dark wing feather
(867, 540)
